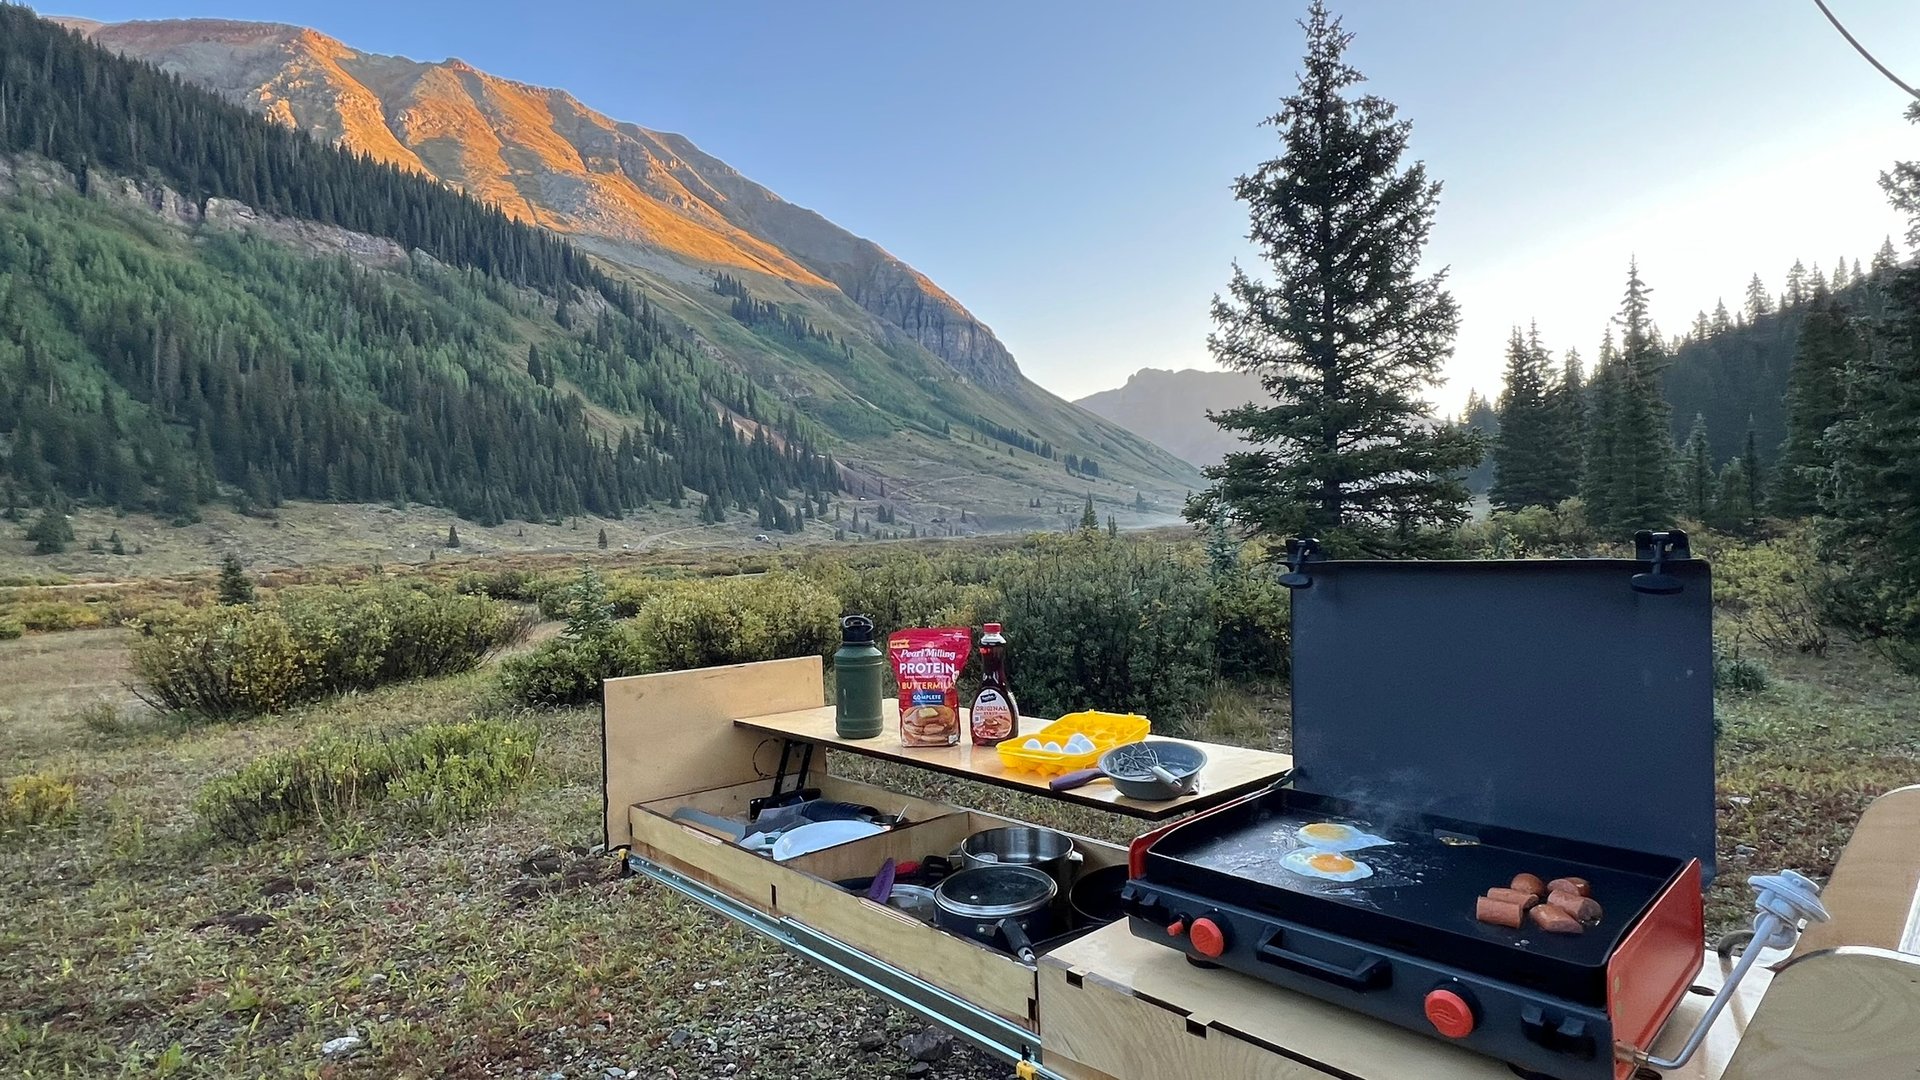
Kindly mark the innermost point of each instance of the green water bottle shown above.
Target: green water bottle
(857, 665)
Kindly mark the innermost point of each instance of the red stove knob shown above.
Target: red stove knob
(1449, 1013)
(1176, 927)
(1207, 937)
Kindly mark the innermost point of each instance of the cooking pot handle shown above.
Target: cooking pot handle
(1371, 973)
(1017, 939)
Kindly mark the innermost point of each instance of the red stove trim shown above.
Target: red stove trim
(1655, 964)
(1137, 851)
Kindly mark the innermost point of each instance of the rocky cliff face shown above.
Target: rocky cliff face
(544, 157)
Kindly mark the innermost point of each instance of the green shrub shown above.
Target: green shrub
(1737, 674)
(1771, 592)
(38, 798)
(9, 629)
(568, 670)
(310, 642)
(435, 774)
(1533, 532)
(909, 589)
(498, 584)
(1252, 623)
(1114, 625)
(48, 616)
(737, 620)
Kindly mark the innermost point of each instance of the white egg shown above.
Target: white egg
(1079, 744)
(1325, 865)
(1333, 836)
(1053, 746)
(1031, 744)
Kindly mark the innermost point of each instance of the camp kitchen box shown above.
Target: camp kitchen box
(1554, 716)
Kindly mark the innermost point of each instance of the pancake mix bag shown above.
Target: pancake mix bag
(926, 664)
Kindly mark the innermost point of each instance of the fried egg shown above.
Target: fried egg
(1333, 836)
(1325, 865)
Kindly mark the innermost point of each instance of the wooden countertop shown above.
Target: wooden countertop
(1231, 771)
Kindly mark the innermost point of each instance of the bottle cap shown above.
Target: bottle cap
(855, 629)
(990, 628)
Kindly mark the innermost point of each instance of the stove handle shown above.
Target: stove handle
(1373, 973)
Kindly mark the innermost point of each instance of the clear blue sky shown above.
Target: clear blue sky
(1063, 168)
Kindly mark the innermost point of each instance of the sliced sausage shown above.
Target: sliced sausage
(1498, 912)
(1529, 883)
(1580, 907)
(1575, 885)
(1513, 896)
(1554, 920)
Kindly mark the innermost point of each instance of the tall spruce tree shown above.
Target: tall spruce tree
(1697, 487)
(1756, 474)
(1640, 466)
(1346, 336)
(1522, 454)
(1722, 322)
(1758, 301)
(1567, 425)
(1873, 504)
(1829, 346)
(1602, 427)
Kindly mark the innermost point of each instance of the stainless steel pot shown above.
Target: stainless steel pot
(1047, 851)
(1005, 906)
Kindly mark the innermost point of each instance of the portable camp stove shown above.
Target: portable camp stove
(1487, 719)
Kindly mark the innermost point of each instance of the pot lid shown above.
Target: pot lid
(1556, 696)
(995, 892)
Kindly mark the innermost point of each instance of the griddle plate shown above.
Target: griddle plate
(1420, 899)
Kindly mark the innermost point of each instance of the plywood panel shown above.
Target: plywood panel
(1231, 770)
(1874, 895)
(1845, 1014)
(672, 733)
(1230, 1024)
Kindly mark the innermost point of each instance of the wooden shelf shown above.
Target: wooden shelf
(1231, 771)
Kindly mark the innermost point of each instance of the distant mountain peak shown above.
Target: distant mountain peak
(1170, 409)
(542, 156)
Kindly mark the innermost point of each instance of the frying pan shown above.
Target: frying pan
(1151, 771)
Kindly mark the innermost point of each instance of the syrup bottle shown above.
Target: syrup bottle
(995, 717)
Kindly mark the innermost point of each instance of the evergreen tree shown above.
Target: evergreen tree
(117, 545)
(453, 536)
(1567, 427)
(1346, 336)
(1602, 433)
(1089, 521)
(1697, 482)
(1756, 471)
(1797, 285)
(234, 587)
(1722, 322)
(1113, 527)
(50, 532)
(1639, 469)
(1758, 301)
(1732, 509)
(603, 539)
(1885, 260)
(1481, 419)
(1873, 502)
(1829, 346)
(1523, 457)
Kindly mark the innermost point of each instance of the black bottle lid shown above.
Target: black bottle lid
(856, 630)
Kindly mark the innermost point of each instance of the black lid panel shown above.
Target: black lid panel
(1541, 695)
